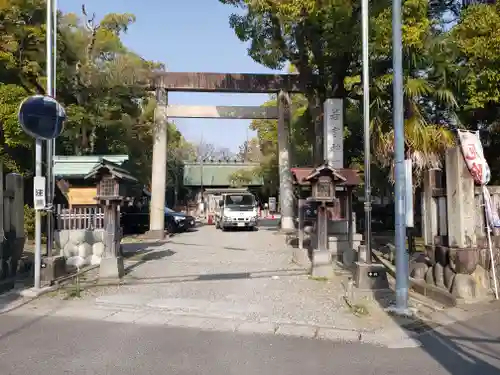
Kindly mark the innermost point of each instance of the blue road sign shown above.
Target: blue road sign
(42, 117)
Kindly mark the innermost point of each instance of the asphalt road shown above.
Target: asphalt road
(56, 346)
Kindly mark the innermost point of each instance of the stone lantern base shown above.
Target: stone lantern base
(111, 268)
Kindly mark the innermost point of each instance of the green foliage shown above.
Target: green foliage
(29, 222)
(451, 73)
(99, 81)
(242, 177)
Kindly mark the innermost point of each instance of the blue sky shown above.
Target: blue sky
(190, 35)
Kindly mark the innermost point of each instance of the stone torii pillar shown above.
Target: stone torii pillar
(159, 167)
(285, 174)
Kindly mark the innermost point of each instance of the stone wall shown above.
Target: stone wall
(464, 273)
(80, 247)
(11, 227)
(457, 257)
(341, 244)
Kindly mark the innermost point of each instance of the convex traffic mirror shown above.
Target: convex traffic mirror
(42, 117)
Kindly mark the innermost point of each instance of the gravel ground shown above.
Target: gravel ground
(248, 275)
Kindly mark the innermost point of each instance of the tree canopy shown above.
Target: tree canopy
(451, 74)
(98, 82)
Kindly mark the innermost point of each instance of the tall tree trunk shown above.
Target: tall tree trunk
(314, 102)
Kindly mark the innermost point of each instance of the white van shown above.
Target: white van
(237, 210)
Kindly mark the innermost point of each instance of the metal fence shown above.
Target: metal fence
(79, 218)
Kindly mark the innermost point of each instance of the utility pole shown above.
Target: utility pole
(39, 143)
(366, 129)
(51, 143)
(399, 144)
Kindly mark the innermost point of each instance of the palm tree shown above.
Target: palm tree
(429, 104)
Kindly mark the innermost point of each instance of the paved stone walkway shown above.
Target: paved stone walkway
(237, 281)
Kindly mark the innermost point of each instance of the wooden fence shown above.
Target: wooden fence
(88, 218)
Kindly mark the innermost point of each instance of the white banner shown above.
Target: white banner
(472, 150)
(409, 193)
(333, 130)
(492, 218)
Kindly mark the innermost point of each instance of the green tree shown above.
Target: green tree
(99, 81)
(322, 39)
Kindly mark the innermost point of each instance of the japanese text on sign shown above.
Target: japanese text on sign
(39, 193)
(333, 126)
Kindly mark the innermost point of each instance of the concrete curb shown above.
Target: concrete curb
(396, 338)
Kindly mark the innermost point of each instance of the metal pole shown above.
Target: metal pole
(54, 88)
(38, 147)
(51, 19)
(38, 217)
(366, 128)
(399, 153)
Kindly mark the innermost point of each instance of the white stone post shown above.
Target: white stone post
(286, 185)
(460, 201)
(159, 169)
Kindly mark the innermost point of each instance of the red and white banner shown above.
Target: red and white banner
(472, 150)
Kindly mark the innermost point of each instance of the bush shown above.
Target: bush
(29, 222)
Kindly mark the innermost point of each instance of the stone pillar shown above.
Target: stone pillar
(349, 255)
(429, 209)
(111, 266)
(15, 234)
(286, 185)
(321, 255)
(333, 131)
(460, 201)
(301, 255)
(301, 213)
(159, 168)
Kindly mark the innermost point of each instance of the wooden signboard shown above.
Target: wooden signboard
(82, 196)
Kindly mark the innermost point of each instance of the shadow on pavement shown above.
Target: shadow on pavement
(457, 352)
(217, 276)
(135, 248)
(452, 353)
(188, 244)
(147, 256)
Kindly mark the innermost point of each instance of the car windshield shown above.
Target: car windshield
(240, 200)
(169, 210)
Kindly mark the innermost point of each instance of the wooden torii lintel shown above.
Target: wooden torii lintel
(227, 82)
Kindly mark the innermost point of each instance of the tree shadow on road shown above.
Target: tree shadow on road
(215, 276)
(456, 352)
(458, 358)
(148, 256)
(132, 249)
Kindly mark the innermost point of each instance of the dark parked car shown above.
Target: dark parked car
(135, 220)
(182, 222)
(310, 214)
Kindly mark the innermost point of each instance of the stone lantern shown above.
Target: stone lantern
(323, 180)
(113, 184)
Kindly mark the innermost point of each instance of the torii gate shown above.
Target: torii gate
(281, 84)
